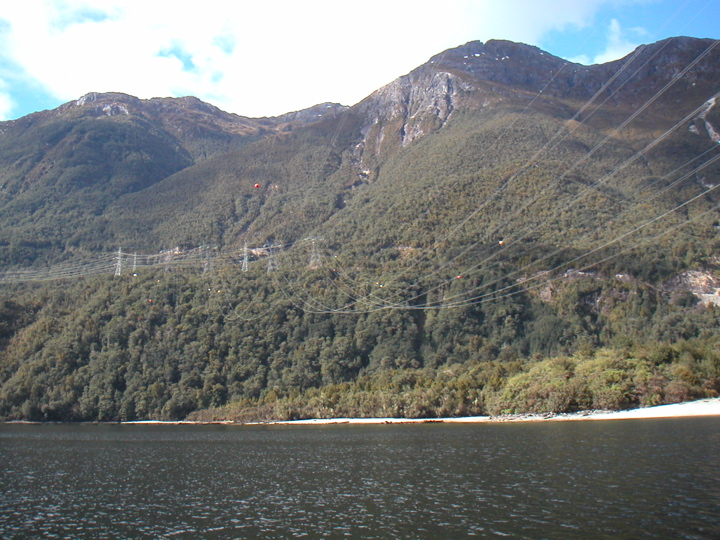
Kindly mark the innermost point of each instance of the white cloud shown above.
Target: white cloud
(6, 105)
(258, 58)
(580, 59)
(528, 21)
(618, 45)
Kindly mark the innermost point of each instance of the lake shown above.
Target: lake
(586, 479)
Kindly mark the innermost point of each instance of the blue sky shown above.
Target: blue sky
(267, 58)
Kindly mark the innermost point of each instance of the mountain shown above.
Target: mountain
(62, 169)
(497, 230)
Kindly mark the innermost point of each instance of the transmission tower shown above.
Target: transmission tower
(207, 261)
(272, 264)
(315, 257)
(118, 262)
(245, 258)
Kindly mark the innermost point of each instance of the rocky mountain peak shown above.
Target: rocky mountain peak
(312, 114)
(501, 61)
(104, 103)
(497, 71)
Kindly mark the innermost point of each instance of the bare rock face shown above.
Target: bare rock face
(409, 108)
(676, 74)
(693, 281)
(702, 284)
(702, 125)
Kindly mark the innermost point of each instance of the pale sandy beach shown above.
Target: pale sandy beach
(703, 407)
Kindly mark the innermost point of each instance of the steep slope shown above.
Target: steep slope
(496, 230)
(61, 169)
(445, 138)
(660, 83)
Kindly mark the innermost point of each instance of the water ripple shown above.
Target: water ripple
(640, 479)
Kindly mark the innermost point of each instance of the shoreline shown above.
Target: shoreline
(702, 407)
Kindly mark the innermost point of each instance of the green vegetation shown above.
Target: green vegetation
(243, 345)
(508, 260)
(605, 379)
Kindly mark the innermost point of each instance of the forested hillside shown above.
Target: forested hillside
(497, 231)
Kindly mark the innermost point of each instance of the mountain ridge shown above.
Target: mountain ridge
(482, 234)
(474, 76)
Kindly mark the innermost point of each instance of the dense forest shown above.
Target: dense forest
(252, 345)
(464, 247)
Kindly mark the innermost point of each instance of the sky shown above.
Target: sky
(265, 58)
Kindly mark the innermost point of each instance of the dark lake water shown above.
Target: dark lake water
(605, 479)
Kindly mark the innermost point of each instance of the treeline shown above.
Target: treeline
(605, 379)
(446, 293)
(165, 345)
